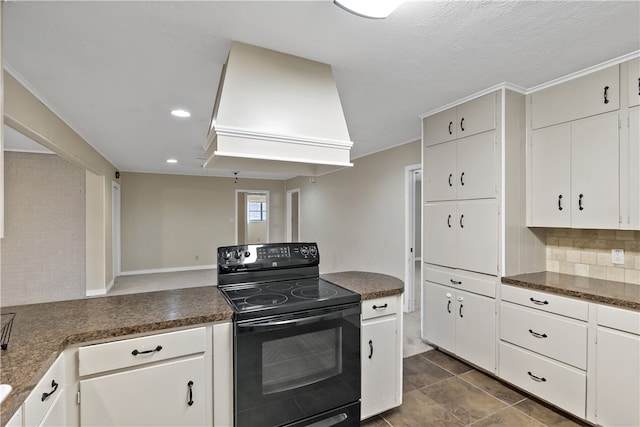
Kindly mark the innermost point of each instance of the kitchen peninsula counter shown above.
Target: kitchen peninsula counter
(41, 331)
(619, 294)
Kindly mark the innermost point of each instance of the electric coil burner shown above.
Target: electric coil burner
(296, 340)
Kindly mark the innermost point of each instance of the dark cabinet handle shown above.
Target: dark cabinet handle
(559, 202)
(536, 378)
(461, 223)
(460, 312)
(450, 183)
(536, 334)
(462, 178)
(580, 202)
(462, 124)
(450, 131)
(455, 282)
(375, 307)
(606, 94)
(449, 307)
(370, 349)
(190, 385)
(54, 384)
(136, 352)
(449, 221)
(538, 302)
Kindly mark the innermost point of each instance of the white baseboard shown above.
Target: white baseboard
(169, 270)
(96, 292)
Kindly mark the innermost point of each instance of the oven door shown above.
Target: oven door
(295, 366)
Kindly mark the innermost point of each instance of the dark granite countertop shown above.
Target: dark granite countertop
(41, 331)
(619, 294)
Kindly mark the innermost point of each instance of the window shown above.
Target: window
(257, 211)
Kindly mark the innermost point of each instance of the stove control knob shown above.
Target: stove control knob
(304, 250)
(247, 254)
(237, 254)
(226, 255)
(313, 251)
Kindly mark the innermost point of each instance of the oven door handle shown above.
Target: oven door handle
(278, 324)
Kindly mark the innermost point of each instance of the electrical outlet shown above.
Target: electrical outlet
(617, 256)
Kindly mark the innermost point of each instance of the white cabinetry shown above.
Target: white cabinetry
(16, 420)
(45, 406)
(630, 173)
(633, 83)
(156, 380)
(543, 346)
(618, 367)
(381, 352)
(458, 321)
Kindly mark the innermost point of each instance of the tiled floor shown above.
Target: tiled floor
(439, 390)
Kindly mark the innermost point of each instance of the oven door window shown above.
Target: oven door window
(299, 360)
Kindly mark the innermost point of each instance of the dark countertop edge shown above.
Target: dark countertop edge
(582, 295)
(18, 394)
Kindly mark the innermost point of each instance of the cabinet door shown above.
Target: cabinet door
(477, 115)
(440, 233)
(631, 176)
(475, 173)
(440, 127)
(475, 329)
(595, 173)
(379, 359)
(550, 175)
(586, 96)
(156, 395)
(440, 172)
(439, 316)
(617, 378)
(633, 82)
(477, 224)
(55, 416)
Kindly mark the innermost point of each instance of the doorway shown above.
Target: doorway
(252, 217)
(413, 238)
(293, 215)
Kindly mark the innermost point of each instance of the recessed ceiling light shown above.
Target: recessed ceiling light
(180, 113)
(376, 9)
(172, 161)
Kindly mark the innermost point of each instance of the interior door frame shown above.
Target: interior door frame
(408, 297)
(267, 195)
(116, 244)
(288, 207)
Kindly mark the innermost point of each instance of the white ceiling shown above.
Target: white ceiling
(114, 70)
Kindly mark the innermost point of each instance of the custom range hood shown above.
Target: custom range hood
(277, 114)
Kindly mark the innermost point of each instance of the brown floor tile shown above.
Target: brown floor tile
(417, 410)
(376, 421)
(547, 414)
(447, 362)
(508, 417)
(495, 388)
(463, 400)
(419, 372)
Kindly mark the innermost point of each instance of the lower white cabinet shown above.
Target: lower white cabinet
(16, 420)
(45, 406)
(381, 353)
(460, 322)
(618, 367)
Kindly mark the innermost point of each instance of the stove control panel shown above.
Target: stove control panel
(269, 256)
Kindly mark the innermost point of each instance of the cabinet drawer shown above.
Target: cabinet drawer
(585, 96)
(379, 307)
(137, 351)
(458, 279)
(34, 406)
(552, 381)
(618, 318)
(550, 335)
(546, 302)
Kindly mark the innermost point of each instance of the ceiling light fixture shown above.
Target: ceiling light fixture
(172, 161)
(376, 9)
(180, 113)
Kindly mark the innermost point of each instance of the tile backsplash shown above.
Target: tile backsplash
(588, 253)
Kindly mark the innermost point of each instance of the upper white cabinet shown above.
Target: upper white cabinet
(470, 118)
(586, 96)
(630, 173)
(633, 82)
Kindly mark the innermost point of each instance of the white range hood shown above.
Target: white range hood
(277, 114)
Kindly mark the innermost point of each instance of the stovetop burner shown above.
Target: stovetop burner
(311, 292)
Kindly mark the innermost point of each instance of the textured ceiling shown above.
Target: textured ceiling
(114, 70)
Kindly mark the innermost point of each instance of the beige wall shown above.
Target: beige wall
(44, 244)
(169, 220)
(587, 253)
(357, 215)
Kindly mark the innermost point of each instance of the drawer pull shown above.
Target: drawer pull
(385, 305)
(54, 384)
(449, 221)
(449, 307)
(580, 202)
(560, 202)
(136, 352)
(455, 282)
(606, 94)
(462, 178)
(537, 335)
(370, 349)
(190, 385)
(536, 378)
(451, 124)
(461, 305)
(450, 183)
(538, 302)
(462, 124)
(461, 223)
